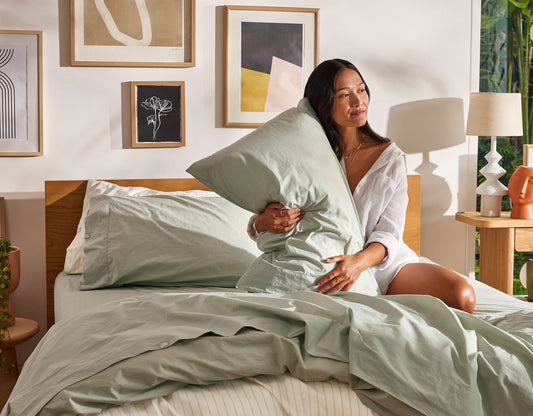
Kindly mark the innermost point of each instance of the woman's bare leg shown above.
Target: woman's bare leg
(435, 280)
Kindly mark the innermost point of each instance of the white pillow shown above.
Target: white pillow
(74, 256)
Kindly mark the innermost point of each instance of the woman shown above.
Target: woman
(377, 175)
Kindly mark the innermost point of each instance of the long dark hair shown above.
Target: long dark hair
(320, 91)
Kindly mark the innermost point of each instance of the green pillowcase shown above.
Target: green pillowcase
(74, 254)
(289, 160)
(165, 240)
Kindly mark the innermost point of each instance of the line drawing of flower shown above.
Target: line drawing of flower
(160, 107)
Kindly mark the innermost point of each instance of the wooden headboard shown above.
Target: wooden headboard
(64, 202)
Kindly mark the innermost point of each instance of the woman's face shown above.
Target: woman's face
(351, 100)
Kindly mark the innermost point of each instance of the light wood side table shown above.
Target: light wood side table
(23, 330)
(500, 237)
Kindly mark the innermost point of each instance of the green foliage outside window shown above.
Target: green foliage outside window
(505, 66)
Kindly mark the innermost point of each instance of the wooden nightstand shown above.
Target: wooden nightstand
(23, 330)
(500, 237)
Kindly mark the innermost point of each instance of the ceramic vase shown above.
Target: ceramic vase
(521, 192)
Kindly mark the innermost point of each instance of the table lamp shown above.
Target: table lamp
(493, 114)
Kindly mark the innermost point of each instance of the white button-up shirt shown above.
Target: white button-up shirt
(381, 201)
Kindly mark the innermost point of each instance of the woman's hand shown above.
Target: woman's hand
(349, 268)
(343, 276)
(278, 220)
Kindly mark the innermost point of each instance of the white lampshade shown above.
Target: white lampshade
(494, 114)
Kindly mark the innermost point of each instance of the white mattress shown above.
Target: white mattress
(258, 396)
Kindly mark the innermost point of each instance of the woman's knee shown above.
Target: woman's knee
(435, 280)
(455, 291)
(465, 296)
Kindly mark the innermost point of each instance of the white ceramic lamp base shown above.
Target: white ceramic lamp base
(491, 205)
(492, 189)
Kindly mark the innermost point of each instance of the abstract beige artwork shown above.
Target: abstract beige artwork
(132, 32)
(133, 22)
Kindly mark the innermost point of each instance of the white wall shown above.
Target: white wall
(413, 52)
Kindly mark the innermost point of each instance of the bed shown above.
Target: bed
(64, 202)
(160, 303)
(201, 350)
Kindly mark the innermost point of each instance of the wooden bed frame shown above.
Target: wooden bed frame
(64, 202)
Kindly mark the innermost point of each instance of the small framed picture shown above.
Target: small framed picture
(143, 33)
(268, 54)
(528, 155)
(157, 114)
(21, 119)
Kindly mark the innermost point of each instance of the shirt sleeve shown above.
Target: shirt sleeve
(252, 231)
(390, 226)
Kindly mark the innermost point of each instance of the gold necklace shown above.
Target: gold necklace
(355, 150)
(348, 156)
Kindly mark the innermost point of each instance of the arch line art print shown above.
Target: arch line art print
(13, 98)
(21, 122)
(8, 115)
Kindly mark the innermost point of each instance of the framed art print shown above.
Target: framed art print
(157, 114)
(21, 121)
(269, 53)
(140, 33)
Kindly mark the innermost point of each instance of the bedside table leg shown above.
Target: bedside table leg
(8, 379)
(496, 258)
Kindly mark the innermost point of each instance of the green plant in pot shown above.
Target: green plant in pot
(9, 280)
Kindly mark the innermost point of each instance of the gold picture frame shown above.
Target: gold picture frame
(157, 114)
(21, 75)
(154, 33)
(269, 52)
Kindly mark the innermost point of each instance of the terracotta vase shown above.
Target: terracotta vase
(521, 192)
(14, 264)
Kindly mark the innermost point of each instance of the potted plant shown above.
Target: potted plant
(9, 279)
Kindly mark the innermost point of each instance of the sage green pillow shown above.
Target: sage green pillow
(165, 240)
(289, 160)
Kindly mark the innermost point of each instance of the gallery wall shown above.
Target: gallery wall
(418, 57)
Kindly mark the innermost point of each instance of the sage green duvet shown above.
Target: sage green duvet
(402, 354)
